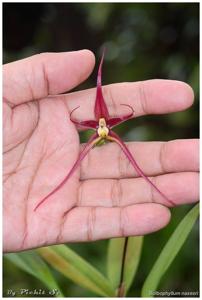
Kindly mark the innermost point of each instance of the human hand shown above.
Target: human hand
(102, 199)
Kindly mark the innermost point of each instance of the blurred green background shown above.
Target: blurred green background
(143, 41)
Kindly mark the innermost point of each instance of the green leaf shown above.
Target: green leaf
(74, 267)
(32, 263)
(115, 258)
(170, 251)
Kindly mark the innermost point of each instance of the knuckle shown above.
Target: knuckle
(40, 74)
(116, 193)
(143, 97)
(162, 156)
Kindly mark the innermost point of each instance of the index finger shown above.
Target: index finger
(156, 96)
(45, 74)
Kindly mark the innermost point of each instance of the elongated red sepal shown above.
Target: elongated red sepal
(94, 139)
(100, 109)
(90, 124)
(114, 137)
(117, 120)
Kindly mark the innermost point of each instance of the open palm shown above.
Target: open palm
(103, 198)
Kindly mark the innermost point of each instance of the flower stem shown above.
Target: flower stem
(121, 288)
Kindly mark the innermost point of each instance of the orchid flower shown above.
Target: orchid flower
(103, 125)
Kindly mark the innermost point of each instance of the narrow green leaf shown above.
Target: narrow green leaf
(32, 263)
(132, 259)
(74, 267)
(170, 251)
(115, 258)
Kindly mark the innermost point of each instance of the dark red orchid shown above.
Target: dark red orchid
(102, 125)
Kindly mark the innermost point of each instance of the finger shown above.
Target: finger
(146, 97)
(180, 188)
(94, 223)
(154, 158)
(45, 74)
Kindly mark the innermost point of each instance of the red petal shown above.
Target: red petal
(115, 121)
(90, 124)
(100, 109)
(92, 141)
(114, 137)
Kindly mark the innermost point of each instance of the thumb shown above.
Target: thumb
(45, 74)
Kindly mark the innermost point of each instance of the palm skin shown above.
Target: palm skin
(41, 144)
(41, 160)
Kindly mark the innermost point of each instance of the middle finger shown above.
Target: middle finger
(154, 158)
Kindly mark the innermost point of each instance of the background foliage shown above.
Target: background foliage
(143, 41)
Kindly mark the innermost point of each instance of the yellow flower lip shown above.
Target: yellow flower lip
(102, 130)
